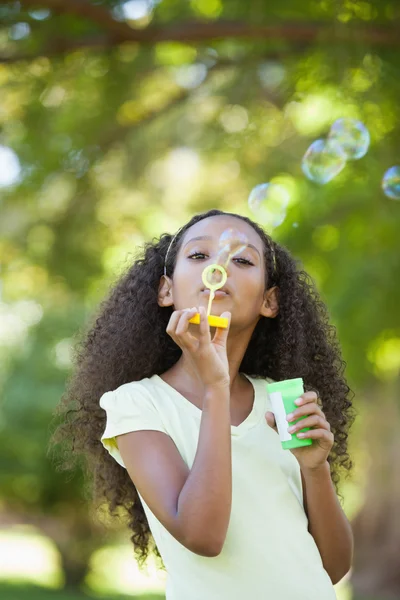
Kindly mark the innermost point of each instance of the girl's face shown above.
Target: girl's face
(245, 295)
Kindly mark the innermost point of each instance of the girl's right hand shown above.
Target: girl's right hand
(208, 356)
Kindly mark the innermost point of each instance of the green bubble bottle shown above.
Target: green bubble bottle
(283, 395)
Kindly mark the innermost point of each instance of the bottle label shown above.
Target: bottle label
(278, 408)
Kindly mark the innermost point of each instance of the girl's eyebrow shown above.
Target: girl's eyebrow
(207, 237)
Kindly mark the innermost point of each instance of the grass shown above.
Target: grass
(10, 591)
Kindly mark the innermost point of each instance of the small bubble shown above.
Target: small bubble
(323, 160)
(391, 183)
(352, 136)
(268, 202)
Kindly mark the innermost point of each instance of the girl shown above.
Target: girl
(176, 427)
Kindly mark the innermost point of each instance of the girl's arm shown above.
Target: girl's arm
(205, 502)
(193, 505)
(327, 522)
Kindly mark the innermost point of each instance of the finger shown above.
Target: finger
(174, 318)
(183, 322)
(182, 331)
(313, 421)
(315, 434)
(172, 323)
(205, 336)
(221, 334)
(308, 409)
(306, 398)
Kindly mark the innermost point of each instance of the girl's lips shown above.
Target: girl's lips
(218, 293)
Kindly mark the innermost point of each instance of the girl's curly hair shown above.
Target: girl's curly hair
(118, 348)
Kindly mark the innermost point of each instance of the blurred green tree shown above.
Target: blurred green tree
(127, 117)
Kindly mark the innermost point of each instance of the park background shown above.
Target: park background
(120, 120)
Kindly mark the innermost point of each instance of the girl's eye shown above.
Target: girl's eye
(244, 260)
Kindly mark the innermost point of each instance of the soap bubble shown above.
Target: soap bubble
(268, 202)
(391, 183)
(323, 160)
(231, 242)
(352, 136)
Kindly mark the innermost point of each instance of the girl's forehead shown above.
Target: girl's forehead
(213, 227)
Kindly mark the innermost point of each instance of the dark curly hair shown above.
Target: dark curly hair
(299, 342)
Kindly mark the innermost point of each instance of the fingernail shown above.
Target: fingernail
(289, 417)
(298, 401)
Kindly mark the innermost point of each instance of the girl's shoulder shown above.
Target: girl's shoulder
(139, 392)
(144, 384)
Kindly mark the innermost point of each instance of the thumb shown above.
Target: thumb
(270, 418)
(221, 334)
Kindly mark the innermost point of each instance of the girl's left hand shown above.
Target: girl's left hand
(314, 456)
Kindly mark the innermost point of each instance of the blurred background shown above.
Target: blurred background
(119, 121)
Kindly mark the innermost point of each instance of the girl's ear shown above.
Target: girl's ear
(270, 306)
(165, 297)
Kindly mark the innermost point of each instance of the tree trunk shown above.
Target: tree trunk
(75, 567)
(376, 566)
(76, 539)
(76, 535)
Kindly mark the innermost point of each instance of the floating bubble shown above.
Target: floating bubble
(268, 202)
(323, 160)
(231, 242)
(391, 183)
(352, 136)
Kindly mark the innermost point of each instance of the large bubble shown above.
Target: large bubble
(352, 136)
(323, 160)
(231, 243)
(391, 183)
(268, 202)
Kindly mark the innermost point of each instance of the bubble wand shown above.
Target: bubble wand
(212, 319)
(231, 242)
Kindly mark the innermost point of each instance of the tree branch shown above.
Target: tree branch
(196, 31)
(86, 10)
(58, 46)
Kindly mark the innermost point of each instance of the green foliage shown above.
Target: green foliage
(120, 140)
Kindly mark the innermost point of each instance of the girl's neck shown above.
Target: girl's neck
(183, 375)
